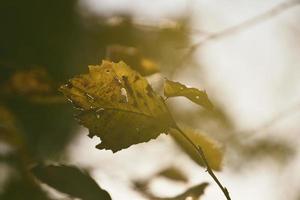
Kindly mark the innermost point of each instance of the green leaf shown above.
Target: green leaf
(117, 104)
(70, 180)
(175, 89)
(211, 150)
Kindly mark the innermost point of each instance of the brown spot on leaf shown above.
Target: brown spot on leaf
(136, 78)
(139, 95)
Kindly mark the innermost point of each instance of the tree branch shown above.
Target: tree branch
(208, 168)
(271, 122)
(278, 9)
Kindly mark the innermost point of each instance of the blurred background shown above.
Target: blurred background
(245, 54)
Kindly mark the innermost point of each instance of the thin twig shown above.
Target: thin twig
(278, 9)
(268, 124)
(208, 168)
(211, 173)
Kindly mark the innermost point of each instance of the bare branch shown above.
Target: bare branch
(278, 9)
(208, 168)
(277, 118)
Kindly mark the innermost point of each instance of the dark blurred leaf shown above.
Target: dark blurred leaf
(175, 89)
(118, 105)
(32, 81)
(33, 91)
(133, 57)
(34, 85)
(192, 193)
(212, 152)
(174, 174)
(53, 34)
(278, 150)
(8, 128)
(22, 189)
(19, 184)
(70, 180)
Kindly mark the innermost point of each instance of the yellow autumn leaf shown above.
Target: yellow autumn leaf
(117, 104)
(175, 89)
(212, 151)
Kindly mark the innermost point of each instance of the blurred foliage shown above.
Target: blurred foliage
(133, 57)
(8, 129)
(174, 174)
(70, 180)
(33, 85)
(21, 188)
(192, 193)
(36, 81)
(55, 37)
(42, 44)
(212, 151)
(52, 34)
(278, 150)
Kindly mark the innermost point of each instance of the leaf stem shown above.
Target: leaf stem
(208, 168)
